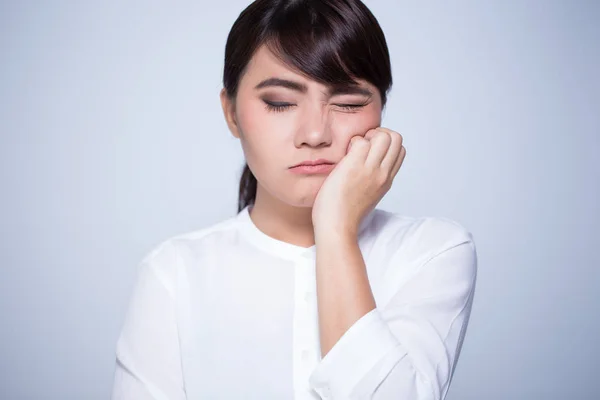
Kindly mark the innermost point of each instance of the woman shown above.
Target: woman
(310, 291)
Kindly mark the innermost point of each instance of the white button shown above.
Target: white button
(307, 296)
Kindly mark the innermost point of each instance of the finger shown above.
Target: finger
(359, 148)
(399, 161)
(352, 140)
(390, 158)
(392, 133)
(371, 133)
(383, 128)
(380, 144)
(368, 136)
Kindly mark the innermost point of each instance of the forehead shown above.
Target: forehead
(264, 64)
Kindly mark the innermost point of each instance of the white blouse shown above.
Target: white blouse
(228, 312)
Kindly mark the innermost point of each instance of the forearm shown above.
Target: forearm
(343, 290)
(407, 346)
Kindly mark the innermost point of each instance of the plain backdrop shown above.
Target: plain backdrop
(112, 140)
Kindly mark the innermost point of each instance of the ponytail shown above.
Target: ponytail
(247, 193)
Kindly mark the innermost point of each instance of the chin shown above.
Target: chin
(300, 203)
(306, 201)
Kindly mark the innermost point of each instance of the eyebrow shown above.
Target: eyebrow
(302, 88)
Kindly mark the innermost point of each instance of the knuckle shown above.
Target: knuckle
(382, 179)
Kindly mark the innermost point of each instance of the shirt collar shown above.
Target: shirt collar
(278, 247)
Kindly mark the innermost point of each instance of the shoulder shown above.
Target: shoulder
(421, 255)
(428, 232)
(413, 241)
(165, 256)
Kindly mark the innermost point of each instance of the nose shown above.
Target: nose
(313, 129)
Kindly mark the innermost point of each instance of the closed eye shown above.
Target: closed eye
(280, 106)
(350, 107)
(277, 107)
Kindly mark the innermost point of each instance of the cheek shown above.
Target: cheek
(347, 125)
(263, 136)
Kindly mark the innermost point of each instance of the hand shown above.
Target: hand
(359, 181)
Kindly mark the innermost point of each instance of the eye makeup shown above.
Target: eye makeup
(282, 106)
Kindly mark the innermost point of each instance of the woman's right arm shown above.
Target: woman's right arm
(148, 359)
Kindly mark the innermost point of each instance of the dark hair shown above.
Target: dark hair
(333, 42)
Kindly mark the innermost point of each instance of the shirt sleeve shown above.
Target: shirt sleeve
(407, 348)
(148, 361)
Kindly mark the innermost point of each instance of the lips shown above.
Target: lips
(313, 163)
(313, 169)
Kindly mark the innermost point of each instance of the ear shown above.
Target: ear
(229, 112)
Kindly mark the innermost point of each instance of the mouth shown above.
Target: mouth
(314, 162)
(321, 168)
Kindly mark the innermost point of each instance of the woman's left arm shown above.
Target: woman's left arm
(407, 347)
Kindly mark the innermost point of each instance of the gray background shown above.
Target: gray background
(112, 140)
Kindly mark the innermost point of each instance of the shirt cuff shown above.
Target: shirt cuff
(359, 349)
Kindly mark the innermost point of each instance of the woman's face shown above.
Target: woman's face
(283, 123)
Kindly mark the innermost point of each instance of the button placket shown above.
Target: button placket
(306, 288)
(307, 296)
(308, 281)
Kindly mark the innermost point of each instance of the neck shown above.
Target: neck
(282, 221)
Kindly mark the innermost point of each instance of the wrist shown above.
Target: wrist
(340, 233)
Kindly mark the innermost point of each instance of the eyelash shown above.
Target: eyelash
(280, 107)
